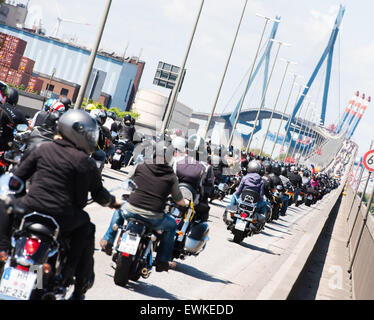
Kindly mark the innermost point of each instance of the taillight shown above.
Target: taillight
(244, 215)
(32, 244)
(22, 268)
(118, 151)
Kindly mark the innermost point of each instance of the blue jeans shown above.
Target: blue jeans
(285, 199)
(166, 224)
(261, 206)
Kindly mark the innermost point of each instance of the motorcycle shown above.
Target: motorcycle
(32, 269)
(243, 220)
(191, 234)
(277, 203)
(219, 192)
(121, 155)
(133, 247)
(290, 192)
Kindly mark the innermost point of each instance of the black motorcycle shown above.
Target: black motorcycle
(191, 234)
(243, 220)
(33, 267)
(122, 154)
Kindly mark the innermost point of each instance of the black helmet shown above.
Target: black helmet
(268, 167)
(284, 171)
(112, 115)
(127, 119)
(163, 152)
(66, 102)
(80, 128)
(12, 97)
(3, 92)
(133, 121)
(254, 167)
(196, 146)
(276, 169)
(262, 171)
(99, 115)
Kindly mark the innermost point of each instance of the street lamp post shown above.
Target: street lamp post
(301, 130)
(267, 19)
(174, 93)
(264, 94)
(275, 104)
(82, 90)
(296, 116)
(303, 154)
(284, 111)
(289, 122)
(225, 71)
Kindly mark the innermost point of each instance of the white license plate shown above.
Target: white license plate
(240, 224)
(117, 156)
(17, 284)
(300, 198)
(309, 197)
(129, 244)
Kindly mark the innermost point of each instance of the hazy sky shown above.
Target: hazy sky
(160, 30)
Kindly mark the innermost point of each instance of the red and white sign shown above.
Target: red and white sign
(369, 160)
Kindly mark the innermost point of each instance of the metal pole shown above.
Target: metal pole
(358, 185)
(263, 96)
(91, 60)
(289, 123)
(249, 79)
(284, 111)
(293, 131)
(224, 73)
(358, 209)
(275, 104)
(302, 155)
(362, 229)
(301, 126)
(303, 123)
(174, 94)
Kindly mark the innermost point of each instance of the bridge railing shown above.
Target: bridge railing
(362, 272)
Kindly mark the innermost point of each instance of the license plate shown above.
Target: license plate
(310, 197)
(300, 198)
(129, 244)
(116, 156)
(240, 224)
(17, 284)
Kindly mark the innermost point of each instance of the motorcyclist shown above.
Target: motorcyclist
(190, 168)
(128, 132)
(10, 116)
(252, 181)
(63, 175)
(218, 164)
(105, 137)
(275, 176)
(155, 182)
(66, 102)
(296, 181)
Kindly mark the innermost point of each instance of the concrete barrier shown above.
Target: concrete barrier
(363, 265)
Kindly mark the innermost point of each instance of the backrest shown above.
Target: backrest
(250, 196)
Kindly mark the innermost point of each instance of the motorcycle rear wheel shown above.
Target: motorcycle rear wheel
(122, 273)
(238, 236)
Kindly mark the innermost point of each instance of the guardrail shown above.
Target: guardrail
(362, 273)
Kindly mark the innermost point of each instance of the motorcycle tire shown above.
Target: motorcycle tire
(116, 165)
(238, 236)
(122, 273)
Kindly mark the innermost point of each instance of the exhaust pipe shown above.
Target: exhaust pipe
(145, 273)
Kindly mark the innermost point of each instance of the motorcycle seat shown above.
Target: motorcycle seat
(39, 228)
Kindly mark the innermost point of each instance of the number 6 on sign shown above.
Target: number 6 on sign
(369, 160)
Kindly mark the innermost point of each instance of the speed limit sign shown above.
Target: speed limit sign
(369, 160)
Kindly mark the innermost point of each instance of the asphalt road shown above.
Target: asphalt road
(224, 270)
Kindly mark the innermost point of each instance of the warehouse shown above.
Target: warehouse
(121, 78)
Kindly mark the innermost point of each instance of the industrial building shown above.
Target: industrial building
(120, 78)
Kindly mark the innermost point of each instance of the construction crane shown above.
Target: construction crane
(56, 29)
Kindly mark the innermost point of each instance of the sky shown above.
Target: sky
(160, 31)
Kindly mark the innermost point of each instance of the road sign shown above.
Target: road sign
(369, 160)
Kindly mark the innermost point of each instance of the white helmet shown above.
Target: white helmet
(179, 143)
